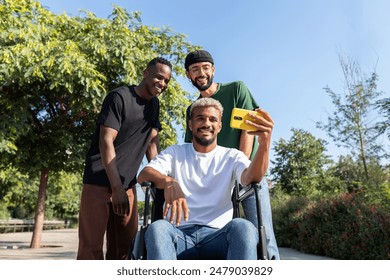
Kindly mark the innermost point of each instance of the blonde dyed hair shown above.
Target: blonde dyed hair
(206, 102)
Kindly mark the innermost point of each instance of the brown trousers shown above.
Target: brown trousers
(96, 218)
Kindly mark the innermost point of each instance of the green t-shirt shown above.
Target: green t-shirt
(230, 95)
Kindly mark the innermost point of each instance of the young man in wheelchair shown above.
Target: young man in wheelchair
(197, 180)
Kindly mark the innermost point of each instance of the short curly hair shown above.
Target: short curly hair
(161, 60)
(206, 102)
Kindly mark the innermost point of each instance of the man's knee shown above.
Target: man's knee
(159, 241)
(244, 229)
(157, 229)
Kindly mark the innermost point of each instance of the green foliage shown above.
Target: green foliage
(343, 227)
(299, 165)
(64, 191)
(4, 213)
(384, 107)
(349, 174)
(141, 206)
(18, 192)
(350, 228)
(287, 213)
(386, 191)
(379, 181)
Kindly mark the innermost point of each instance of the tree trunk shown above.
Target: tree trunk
(363, 154)
(40, 211)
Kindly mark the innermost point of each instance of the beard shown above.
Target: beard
(200, 87)
(204, 142)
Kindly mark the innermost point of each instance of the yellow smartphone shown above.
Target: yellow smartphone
(238, 118)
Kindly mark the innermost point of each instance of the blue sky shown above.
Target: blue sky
(285, 51)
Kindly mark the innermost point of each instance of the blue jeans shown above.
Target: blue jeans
(249, 207)
(237, 240)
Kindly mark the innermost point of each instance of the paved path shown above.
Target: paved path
(62, 245)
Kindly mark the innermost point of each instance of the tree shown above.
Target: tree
(349, 172)
(384, 107)
(141, 207)
(63, 196)
(350, 125)
(299, 165)
(54, 73)
(18, 192)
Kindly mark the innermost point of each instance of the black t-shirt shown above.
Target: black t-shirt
(133, 118)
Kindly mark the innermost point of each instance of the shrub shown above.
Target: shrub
(345, 228)
(4, 213)
(287, 213)
(342, 227)
(20, 212)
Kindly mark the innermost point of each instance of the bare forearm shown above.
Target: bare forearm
(154, 176)
(120, 202)
(175, 200)
(246, 143)
(153, 145)
(259, 164)
(258, 167)
(108, 156)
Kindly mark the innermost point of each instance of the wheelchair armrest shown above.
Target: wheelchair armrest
(242, 192)
(158, 202)
(150, 187)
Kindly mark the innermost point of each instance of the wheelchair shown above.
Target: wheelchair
(154, 211)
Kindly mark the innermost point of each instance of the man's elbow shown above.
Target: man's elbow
(142, 176)
(154, 140)
(252, 178)
(255, 180)
(146, 174)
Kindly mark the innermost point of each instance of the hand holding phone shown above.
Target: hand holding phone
(238, 118)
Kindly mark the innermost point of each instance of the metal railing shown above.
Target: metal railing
(18, 225)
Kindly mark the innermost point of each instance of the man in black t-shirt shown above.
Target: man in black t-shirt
(127, 129)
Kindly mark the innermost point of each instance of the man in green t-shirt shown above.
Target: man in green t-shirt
(200, 70)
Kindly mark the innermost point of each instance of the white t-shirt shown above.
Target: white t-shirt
(207, 180)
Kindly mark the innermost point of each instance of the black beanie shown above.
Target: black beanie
(198, 56)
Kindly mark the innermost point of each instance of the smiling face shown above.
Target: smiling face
(156, 78)
(205, 124)
(201, 75)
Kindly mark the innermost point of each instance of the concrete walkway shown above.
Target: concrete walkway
(62, 245)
